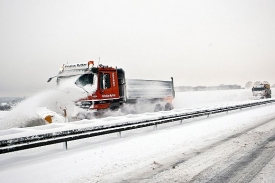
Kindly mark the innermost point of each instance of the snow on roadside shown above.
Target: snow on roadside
(111, 159)
(25, 113)
(103, 122)
(206, 98)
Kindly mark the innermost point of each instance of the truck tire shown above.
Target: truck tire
(89, 116)
(168, 107)
(157, 108)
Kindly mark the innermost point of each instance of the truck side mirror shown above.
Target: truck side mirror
(94, 70)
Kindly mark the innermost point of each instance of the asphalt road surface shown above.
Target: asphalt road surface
(241, 157)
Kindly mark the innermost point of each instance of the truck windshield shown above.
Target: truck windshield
(85, 79)
(258, 89)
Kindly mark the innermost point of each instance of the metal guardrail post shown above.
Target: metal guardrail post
(119, 134)
(65, 145)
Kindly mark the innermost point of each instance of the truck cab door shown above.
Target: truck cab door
(105, 81)
(107, 84)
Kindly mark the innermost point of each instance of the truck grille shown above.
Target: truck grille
(86, 104)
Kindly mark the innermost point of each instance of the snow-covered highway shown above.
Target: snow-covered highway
(232, 147)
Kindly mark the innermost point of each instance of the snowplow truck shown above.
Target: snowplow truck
(107, 88)
(261, 91)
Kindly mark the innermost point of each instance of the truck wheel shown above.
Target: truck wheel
(168, 107)
(89, 116)
(157, 108)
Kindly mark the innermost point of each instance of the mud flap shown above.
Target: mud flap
(49, 116)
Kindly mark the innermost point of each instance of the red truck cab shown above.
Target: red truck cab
(108, 93)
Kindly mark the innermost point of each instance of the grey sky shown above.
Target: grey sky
(197, 42)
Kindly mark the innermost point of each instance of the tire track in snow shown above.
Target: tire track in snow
(148, 174)
(243, 169)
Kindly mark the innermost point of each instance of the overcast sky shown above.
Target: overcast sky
(198, 42)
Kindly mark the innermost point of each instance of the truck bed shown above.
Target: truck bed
(149, 89)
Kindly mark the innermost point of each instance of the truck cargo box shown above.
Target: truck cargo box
(149, 89)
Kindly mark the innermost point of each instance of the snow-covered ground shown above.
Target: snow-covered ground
(198, 150)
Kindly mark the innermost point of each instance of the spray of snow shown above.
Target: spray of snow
(141, 106)
(64, 96)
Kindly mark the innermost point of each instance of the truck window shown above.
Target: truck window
(85, 80)
(105, 81)
(258, 89)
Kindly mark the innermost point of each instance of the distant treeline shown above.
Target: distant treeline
(5, 107)
(204, 88)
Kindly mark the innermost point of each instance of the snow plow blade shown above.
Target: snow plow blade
(49, 116)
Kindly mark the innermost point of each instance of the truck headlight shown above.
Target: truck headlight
(78, 103)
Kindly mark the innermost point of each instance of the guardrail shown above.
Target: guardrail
(21, 143)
